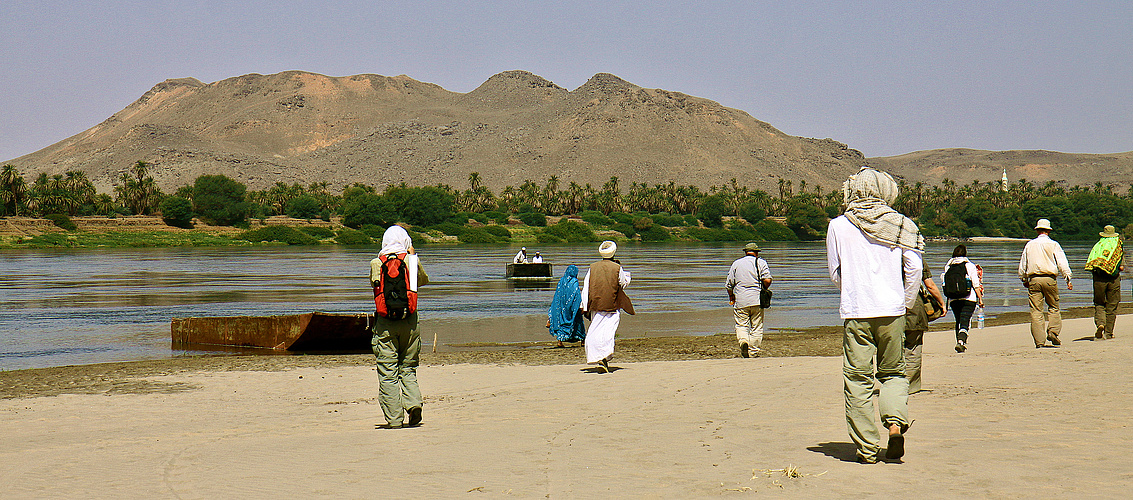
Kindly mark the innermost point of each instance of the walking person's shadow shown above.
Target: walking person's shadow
(846, 452)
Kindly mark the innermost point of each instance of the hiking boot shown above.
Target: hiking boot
(1053, 339)
(1099, 334)
(960, 346)
(414, 416)
(743, 350)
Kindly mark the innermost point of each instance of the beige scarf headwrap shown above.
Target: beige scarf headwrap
(867, 195)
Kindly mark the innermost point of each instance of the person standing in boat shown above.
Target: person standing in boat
(396, 340)
(521, 257)
(564, 318)
(603, 295)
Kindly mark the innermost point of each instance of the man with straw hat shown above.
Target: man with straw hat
(874, 257)
(1039, 266)
(602, 296)
(748, 276)
(1106, 263)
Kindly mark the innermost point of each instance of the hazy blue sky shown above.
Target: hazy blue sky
(884, 77)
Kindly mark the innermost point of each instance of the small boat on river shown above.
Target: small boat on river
(296, 332)
(541, 270)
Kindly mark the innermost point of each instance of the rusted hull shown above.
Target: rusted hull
(528, 271)
(298, 332)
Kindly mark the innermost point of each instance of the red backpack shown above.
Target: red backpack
(392, 297)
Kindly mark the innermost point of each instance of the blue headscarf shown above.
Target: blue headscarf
(565, 316)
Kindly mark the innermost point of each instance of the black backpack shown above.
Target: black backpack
(391, 296)
(957, 284)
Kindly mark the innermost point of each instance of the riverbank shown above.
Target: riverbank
(128, 377)
(302, 426)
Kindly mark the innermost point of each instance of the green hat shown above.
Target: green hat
(751, 247)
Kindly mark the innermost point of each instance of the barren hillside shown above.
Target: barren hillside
(304, 127)
(1038, 167)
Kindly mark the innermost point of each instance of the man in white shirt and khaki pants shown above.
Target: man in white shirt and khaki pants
(1041, 263)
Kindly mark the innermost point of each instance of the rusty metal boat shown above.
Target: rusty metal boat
(297, 332)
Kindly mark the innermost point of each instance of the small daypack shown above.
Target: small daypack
(957, 284)
(392, 297)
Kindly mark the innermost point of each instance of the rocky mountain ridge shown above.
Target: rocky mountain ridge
(304, 127)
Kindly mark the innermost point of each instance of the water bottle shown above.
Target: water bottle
(980, 317)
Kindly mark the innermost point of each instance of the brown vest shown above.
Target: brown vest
(605, 293)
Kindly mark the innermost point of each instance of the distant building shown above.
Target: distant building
(1003, 181)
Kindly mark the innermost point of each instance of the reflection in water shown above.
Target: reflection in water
(91, 305)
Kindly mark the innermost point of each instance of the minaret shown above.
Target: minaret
(1004, 181)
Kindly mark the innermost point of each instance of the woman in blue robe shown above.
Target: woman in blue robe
(564, 318)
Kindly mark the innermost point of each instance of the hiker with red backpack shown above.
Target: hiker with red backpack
(395, 275)
(965, 291)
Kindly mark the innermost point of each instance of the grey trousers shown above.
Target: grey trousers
(866, 342)
(397, 346)
(1107, 294)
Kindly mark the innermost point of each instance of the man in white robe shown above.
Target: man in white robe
(602, 297)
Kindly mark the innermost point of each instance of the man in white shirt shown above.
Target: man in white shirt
(1039, 266)
(520, 257)
(748, 276)
(874, 256)
(537, 259)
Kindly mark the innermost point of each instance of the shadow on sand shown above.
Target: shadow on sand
(846, 452)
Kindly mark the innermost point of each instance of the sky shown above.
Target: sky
(885, 78)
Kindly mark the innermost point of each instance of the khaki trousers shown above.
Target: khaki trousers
(1044, 289)
(397, 345)
(749, 326)
(914, 342)
(1107, 294)
(866, 342)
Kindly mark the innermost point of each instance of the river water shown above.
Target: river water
(79, 306)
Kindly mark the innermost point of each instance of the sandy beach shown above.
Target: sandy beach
(1003, 420)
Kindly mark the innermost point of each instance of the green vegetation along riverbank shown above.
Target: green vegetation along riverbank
(546, 213)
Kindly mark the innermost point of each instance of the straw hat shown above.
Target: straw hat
(1109, 232)
(607, 249)
(1043, 224)
(751, 247)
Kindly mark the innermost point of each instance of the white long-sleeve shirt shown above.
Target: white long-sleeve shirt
(1043, 255)
(876, 279)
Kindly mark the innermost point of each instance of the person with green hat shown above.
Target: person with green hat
(1107, 260)
(748, 276)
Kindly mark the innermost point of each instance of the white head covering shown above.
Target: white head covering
(607, 249)
(396, 240)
